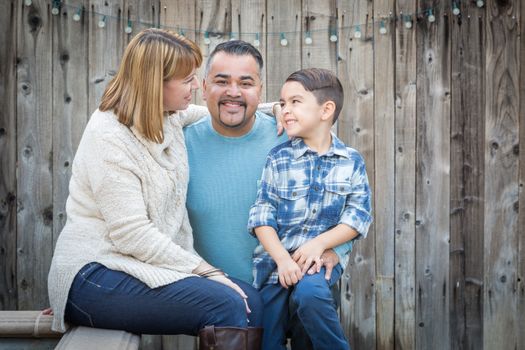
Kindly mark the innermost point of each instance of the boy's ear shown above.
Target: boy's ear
(328, 110)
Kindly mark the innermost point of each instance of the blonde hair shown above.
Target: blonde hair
(135, 94)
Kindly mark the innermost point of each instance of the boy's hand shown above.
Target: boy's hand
(329, 259)
(308, 254)
(289, 273)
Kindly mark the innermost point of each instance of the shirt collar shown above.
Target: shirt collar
(336, 148)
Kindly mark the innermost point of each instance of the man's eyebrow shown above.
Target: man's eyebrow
(247, 77)
(222, 75)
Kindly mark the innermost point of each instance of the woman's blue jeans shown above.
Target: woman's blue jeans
(104, 298)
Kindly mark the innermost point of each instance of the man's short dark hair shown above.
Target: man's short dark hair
(323, 84)
(237, 48)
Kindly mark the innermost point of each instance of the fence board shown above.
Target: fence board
(249, 20)
(466, 178)
(501, 174)
(283, 16)
(356, 129)
(318, 17)
(432, 182)
(521, 205)
(70, 113)
(405, 171)
(384, 194)
(105, 47)
(8, 36)
(34, 140)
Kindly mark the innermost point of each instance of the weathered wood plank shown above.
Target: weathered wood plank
(405, 181)
(34, 140)
(384, 193)
(356, 129)
(8, 190)
(70, 109)
(319, 19)
(433, 182)
(521, 205)
(213, 19)
(105, 48)
(249, 20)
(500, 321)
(466, 177)
(283, 16)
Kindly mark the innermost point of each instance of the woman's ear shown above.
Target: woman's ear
(328, 110)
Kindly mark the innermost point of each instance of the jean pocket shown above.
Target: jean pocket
(336, 275)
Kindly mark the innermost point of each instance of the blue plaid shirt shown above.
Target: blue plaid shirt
(302, 195)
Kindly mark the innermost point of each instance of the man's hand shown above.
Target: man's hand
(307, 254)
(276, 110)
(329, 259)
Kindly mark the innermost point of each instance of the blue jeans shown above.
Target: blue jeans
(314, 308)
(104, 298)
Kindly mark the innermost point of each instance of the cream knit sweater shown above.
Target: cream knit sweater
(126, 207)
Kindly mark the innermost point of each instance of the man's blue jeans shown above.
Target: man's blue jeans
(315, 309)
(104, 298)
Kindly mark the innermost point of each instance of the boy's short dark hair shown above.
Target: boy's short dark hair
(237, 48)
(323, 84)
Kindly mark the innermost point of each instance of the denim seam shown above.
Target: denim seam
(83, 312)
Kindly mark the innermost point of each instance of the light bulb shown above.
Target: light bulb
(480, 3)
(102, 22)
(308, 40)
(333, 38)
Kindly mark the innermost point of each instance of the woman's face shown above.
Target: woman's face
(178, 92)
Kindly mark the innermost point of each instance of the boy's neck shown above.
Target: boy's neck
(320, 142)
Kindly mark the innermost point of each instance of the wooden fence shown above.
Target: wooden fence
(433, 105)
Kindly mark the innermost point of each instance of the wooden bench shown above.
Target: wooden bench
(21, 327)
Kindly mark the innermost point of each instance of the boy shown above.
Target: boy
(314, 195)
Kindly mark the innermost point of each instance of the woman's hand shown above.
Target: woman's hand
(48, 311)
(289, 273)
(308, 254)
(228, 282)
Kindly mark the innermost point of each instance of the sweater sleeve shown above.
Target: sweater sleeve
(192, 114)
(118, 193)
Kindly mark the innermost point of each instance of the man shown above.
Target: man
(227, 152)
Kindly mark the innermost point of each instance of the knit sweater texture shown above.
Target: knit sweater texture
(126, 207)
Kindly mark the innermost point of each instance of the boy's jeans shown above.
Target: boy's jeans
(315, 309)
(104, 298)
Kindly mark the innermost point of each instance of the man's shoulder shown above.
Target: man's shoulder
(198, 126)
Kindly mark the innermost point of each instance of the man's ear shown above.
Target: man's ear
(328, 110)
(204, 89)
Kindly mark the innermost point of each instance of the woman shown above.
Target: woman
(125, 258)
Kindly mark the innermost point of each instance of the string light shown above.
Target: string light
(431, 17)
(28, 2)
(333, 36)
(181, 32)
(128, 28)
(78, 15)
(102, 22)
(408, 22)
(480, 3)
(232, 36)
(55, 10)
(357, 33)
(256, 42)
(207, 40)
(382, 28)
(308, 40)
(284, 42)
(455, 9)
